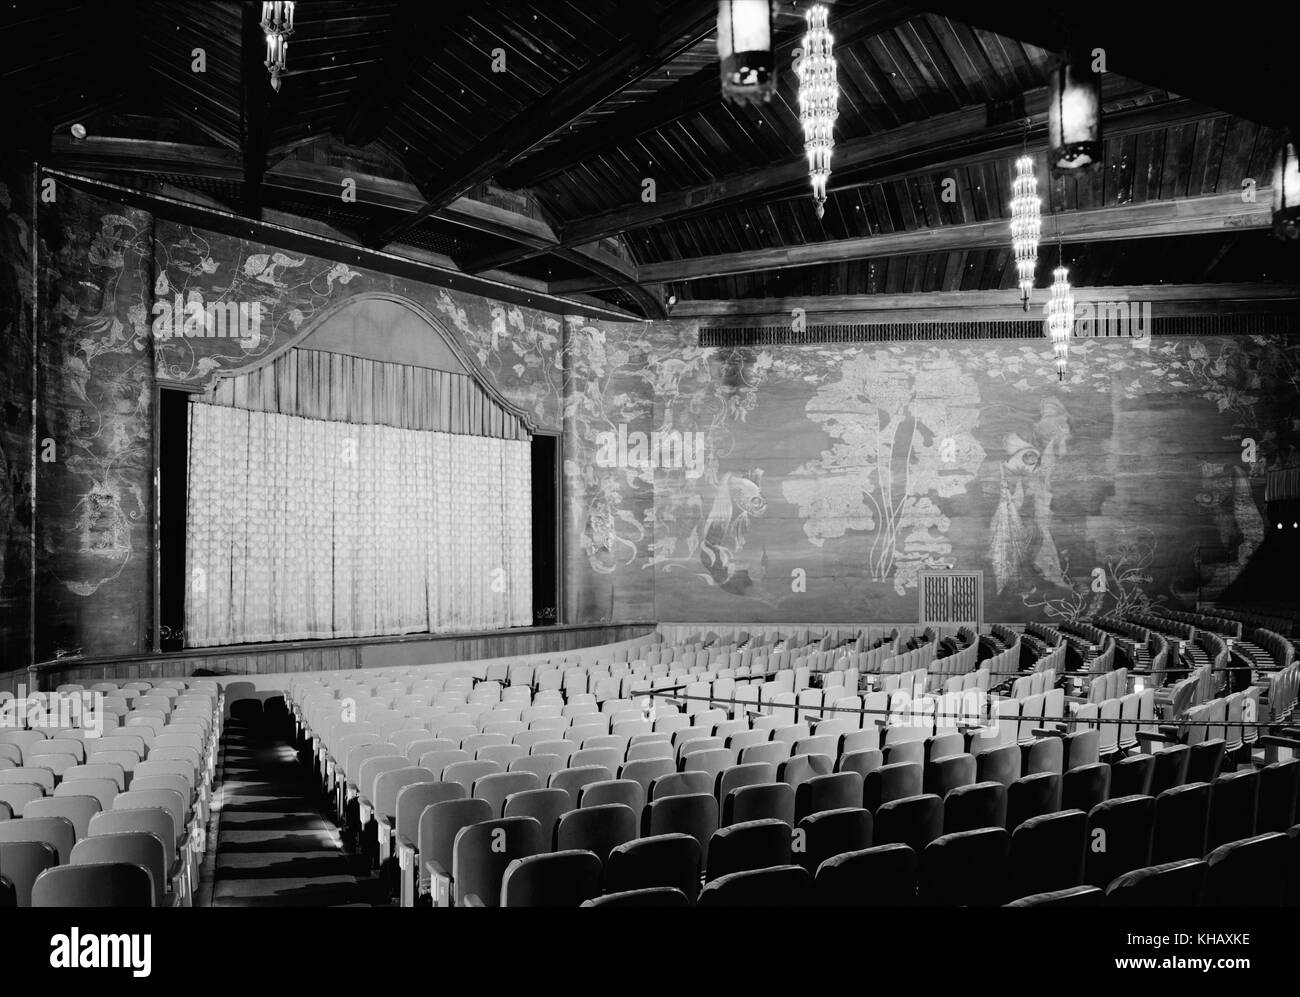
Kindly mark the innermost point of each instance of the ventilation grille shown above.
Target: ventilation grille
(902, 332)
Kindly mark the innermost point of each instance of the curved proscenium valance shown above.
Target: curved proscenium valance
(376, 360)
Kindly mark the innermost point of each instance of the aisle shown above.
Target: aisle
(273, 845)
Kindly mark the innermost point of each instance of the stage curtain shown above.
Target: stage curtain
(306, 528)
(340, 388)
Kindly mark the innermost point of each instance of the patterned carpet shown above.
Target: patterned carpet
(274, 846)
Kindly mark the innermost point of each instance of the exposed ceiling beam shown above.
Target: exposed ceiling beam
(620, 272)
(936, 142)
(694, 94)
(419, 30)
(308, 238)
(133, 155)
(990, 306)
(1187, 216)
(254, 99)
(609, 73)
(1244, 65)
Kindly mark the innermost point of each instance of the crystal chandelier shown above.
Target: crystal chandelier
(1060, 318)
(1026, 225)
(818, 97)
(277, 22)
(1286, 191)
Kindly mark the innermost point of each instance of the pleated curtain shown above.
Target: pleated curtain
(307, 528)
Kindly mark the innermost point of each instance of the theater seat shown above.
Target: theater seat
(755, 844)
(821, 836)
(660, 896)
(1132, 776)
(1182, 814)
(969, 808)
(1169, 884)
(1234, 798)
(695, 814)
(1247, 873)
(965, 869)
(1047, 853)
(546, 806)
(1206, 760)
(1082, 788)
(1119, 838)
(1074, 896)
(114, 884)
(597, 829)
(1279, 784)
(1170, 768)
(891, 782)
(482, 852)
(665, 860)
(440, 823)
(560, 879)
(914, 821)
(881, 876)
(22, 862)
(782, 886)
(775, 799)
(827, 792)
(1032, 796)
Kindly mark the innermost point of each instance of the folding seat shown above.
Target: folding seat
(904, 751)
(671, 723)
(56, 746)
(965, 869)
(1206, 760)
(649, 749)
(944, 746)
(629, 727)
(948, 773)
(77, 809)
(969, 808)
(881, 876)
(11, 756)
(58, 832)
(1043, 754)
(820, 836)
(800, 768)
(1047, 853)
(1245, 873)
(680, 784)
(861, 762)
(1032, 796)
(563, 748)
(482, 852)
(1084, 787)
(774, 752)
(662, 861)
(792, 734)
(438, 827)
(827, 792)
(597, 829)
(17, 795)
(891, 782)
(646, 771)
(472, 743)
(572, 779)
(820, 744)
(1082, 748)
(1074, 896)
(781, 886)
(660, 896)
(607, 741)
(559, 879)
(1132, 776)
(1177, 883)
(496, 787)
(417, 749)
(114, 884)
(914, 821)
(1170, 768)
(1234, 800)
(998, 765)
(755, 844)
(412, 800)
(609, 758)
(1279, 783)
(767, 723)
(133, 847)
(532, 714)
(28, 775)
(1119, 838)
(1181, 822)
(628, 792)
(695, 814)
(503, 754)
(437, 761)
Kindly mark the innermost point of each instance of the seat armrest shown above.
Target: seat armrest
(439, 883)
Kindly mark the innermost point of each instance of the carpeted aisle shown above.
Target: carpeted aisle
(274, 847)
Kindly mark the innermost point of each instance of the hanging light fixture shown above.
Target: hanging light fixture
(1060, 318)
(745, 50)
(1286, 191)
(1026, 225)
(1074, 112)
(277, 23)
(818, 100)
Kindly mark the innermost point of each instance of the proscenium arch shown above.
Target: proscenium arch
(463, 356)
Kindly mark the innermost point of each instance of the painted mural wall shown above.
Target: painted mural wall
(831, 476)
(16, 344)
(106, 343)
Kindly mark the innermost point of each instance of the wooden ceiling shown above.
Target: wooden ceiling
(535, 175)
